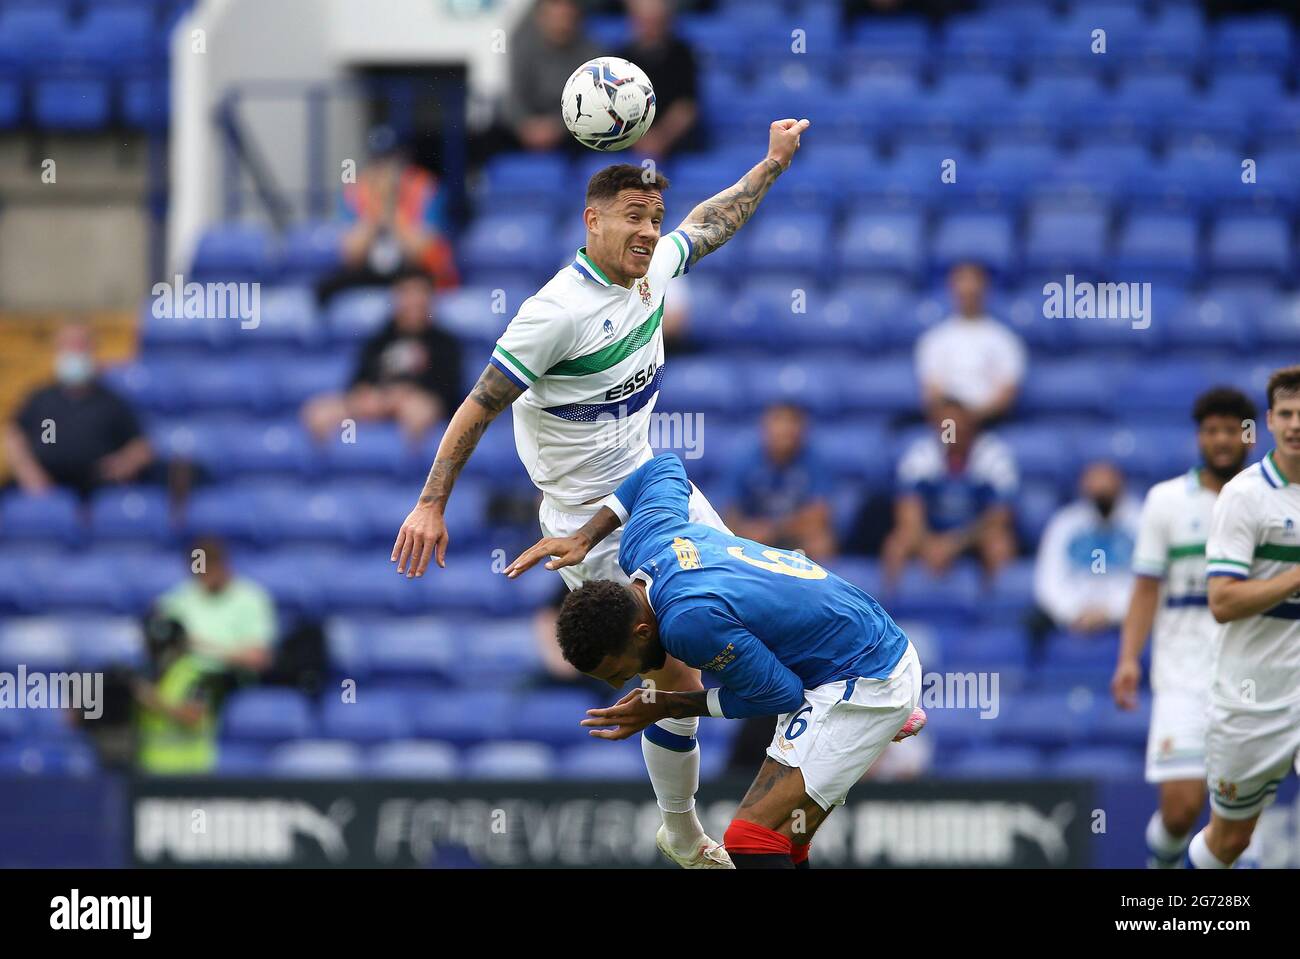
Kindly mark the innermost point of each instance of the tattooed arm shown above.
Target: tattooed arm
(424, 533)
(716, 220)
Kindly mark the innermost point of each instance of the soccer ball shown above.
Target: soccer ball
(608, 103)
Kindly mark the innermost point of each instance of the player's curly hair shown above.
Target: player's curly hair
(1223, 401)
(595, 621)
(606, 183)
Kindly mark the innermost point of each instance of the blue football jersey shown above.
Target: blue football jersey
(767, 623)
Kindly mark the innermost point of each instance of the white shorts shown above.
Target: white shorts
(1248, 752)
(1176, 742)
(842, 727)
(602, 561)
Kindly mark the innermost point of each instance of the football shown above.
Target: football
(608, 103)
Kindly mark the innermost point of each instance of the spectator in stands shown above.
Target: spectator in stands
(229, 620)
(409, 371)
(1082, 576)
(175, 719)
(661, 53)
(778, 491)
(544, 51)
(970, 356)
(953, 496)
(398, 221)
(76, 433)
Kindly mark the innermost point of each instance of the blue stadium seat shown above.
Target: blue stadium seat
(1009, 595)
(1061, 242)
(952, 596)
(312, 249)
(1095, 174)
(28, 33)
(106, 641)
(48, 759)
(602, 761)
(1000, 762)
(310, 375)
(131, 513)
(1094, 763)
(509, 760)
(11, 101)
(1191, 178)
(1045, 719)
(1256, 246)
(465, 717)
(39, 642)
(512, 240)
(233, 252)
(982, 237)
(52, 515)
(1252, 42)
(264, 447)
(372, 448)
(1173, 40)
(793, 241)
(881, 243)
(241, 760)
(1210, 321)
(1157, 247)
(973, 43)
(315, 759)
(1113, 726)
(478, 313)
(893, 44)
(1036, 502)
(985, 649)
(526, 182)
(411, 649)
(71, 101)
(1280, 325)
(692, 384)
(1055, 386)
(267, 715)
(881, 386)
(145, 101)
(412, 759)
(376, 715)
(551, 716)
(492, 651)
(356, 314)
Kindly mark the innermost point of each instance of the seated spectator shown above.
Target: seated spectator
(229, 621)
(970, 356)
(76, 433)
(408, 372)
(175, 721)
(777, 493)
(662, 54)
(1082, 576)
(954, 494)
(544, 51)
(396, 210)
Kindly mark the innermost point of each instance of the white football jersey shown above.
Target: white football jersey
(590, 357)
(1171, 547)
(1255, 534)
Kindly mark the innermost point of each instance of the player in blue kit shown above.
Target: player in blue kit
(781, 634)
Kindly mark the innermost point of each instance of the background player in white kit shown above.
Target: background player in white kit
(582, 362)
(1253, 565)
(1169, 591)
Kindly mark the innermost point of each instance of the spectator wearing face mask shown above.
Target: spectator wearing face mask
(75, 433)
(1083, 575)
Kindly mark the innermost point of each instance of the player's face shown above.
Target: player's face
(628, 231)
(1284, 422)
(641, 654)
(1222, 443)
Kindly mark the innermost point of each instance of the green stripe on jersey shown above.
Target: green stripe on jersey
(514, 362)
(613, 354)
(1286, 554)
(1230, 562)
(1191, 549)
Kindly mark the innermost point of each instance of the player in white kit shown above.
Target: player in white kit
(1169, 592)
(1253, 565)
(582, 362)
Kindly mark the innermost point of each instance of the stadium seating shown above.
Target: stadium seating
(1124, 167)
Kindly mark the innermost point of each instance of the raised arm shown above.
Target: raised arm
(716, 220)
(424, 533)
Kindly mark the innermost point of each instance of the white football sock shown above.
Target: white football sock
(672, 757)
(1165, 848)
(1198, 853)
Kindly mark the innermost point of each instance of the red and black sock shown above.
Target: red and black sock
(752, 846)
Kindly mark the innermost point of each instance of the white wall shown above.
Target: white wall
(303, 40)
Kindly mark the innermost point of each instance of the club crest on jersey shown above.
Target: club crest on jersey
(643, 287)
(1226, 790)
(608, 328)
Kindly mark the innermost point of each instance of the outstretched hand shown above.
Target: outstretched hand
(631, 714)
(567, 550)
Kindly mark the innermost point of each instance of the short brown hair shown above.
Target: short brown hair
(1285, 380)
(608, 183)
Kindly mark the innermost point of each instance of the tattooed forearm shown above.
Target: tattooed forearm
(681, 705)
(599, 526)
(491, 394)
(716, 220)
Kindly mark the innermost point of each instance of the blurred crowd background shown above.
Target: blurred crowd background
(202, 503)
